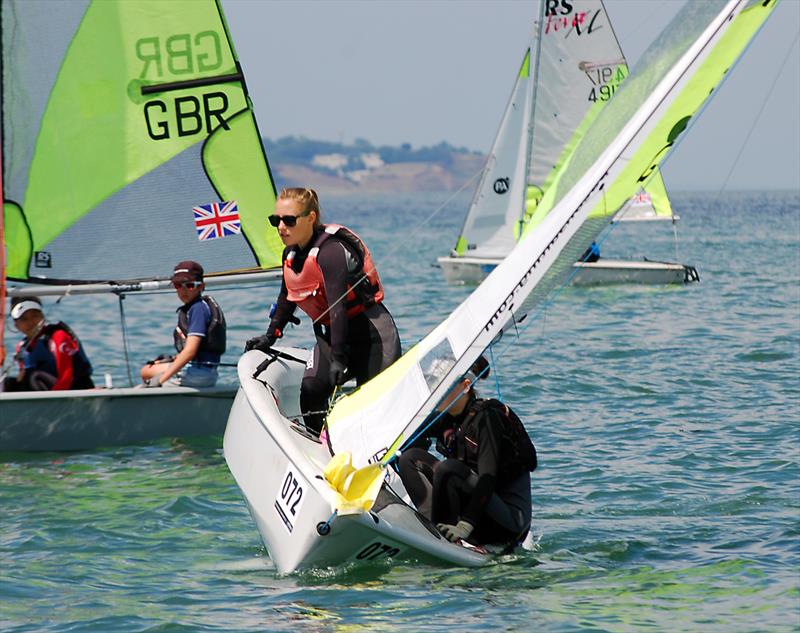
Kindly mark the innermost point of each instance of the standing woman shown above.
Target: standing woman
(328, 273)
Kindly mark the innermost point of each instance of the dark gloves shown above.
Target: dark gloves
(455, 533)
(261, 343)
(338, 372)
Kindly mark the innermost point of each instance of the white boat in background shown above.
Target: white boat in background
(109, 144)
(320, 506)
(568, 75)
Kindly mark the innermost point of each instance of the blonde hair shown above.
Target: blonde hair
(306, 197)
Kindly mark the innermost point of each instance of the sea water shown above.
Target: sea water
(666, 421)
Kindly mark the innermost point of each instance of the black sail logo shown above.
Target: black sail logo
(501, 186)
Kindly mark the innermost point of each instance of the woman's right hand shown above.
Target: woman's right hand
(261, 343)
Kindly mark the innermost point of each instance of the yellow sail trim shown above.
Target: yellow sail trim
(356, 488)
(373, 389)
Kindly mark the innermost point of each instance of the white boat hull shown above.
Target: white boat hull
(473, 270)
(86, 419)
(279, 471)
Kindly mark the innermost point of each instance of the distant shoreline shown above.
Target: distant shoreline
(364, 168)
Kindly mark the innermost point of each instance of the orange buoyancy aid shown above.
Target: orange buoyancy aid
(307, 288)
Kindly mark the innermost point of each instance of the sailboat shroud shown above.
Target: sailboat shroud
(118, 118)
(570, 73)
(279, 468)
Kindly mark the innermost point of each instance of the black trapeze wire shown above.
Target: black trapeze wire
(760, 112)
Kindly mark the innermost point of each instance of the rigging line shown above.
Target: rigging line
(397, 247)
(494, 367)
(760, 113)
(124, 324)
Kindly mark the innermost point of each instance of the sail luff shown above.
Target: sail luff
(403, 396)
(2, 212)
(530, 132)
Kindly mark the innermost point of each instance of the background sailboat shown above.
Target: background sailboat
(571, 71)
(119, 117)
(305, 511)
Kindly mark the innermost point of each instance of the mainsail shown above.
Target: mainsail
(119, 117)
(577, 66)
(620, 152)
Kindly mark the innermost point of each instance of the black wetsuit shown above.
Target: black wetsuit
(474, 487)
(366, 343)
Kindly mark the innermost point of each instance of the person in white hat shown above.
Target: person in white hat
(50, 356)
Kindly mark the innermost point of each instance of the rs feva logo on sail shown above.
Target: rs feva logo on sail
(179, 56)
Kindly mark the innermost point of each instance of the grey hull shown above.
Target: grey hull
(81, 420)
(473, 270)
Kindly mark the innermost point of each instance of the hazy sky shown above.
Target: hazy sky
(422, 72)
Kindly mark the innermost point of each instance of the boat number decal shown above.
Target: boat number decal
(501, 186)
(290, 498)
(376, 550)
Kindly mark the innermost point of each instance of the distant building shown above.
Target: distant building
(372, 161)
(335, 162)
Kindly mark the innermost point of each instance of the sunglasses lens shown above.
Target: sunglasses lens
(288, 220)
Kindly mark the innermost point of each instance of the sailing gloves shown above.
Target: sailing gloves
(338, 372)
(455, 533)
(262, 343)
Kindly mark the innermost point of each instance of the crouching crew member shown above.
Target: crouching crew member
(481, 492)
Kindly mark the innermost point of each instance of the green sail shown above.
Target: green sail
(136, 113)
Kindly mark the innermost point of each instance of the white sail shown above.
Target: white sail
(575, 65)
(623, 147)
(489, 227)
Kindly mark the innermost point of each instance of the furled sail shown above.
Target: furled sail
(620, 151)
(119, 118)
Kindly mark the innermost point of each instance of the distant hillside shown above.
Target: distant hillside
(298, 161)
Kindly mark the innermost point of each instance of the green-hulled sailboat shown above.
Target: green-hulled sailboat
(119, 117)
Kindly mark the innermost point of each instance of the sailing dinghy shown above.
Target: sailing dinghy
(569, 73)
(313, 509)
(122, 120)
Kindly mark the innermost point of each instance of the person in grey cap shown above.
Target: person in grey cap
(50, 356)
(199, 337)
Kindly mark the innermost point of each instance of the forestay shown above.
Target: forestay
(120, 117)
(620, 151)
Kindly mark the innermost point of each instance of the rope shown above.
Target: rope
(125, 338)
(760, 112)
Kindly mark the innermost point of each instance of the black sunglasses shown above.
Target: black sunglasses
(288, 220)
(186, 285)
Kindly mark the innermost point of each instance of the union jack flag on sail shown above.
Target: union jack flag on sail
(218, 219)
